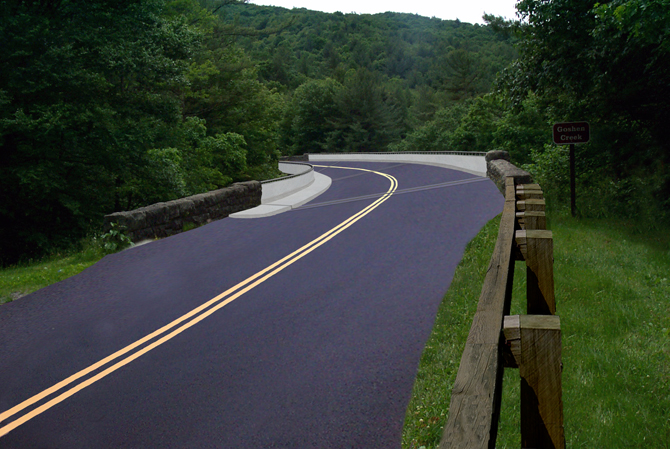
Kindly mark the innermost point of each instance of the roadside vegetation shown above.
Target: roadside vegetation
(612, 284)
(24, 278)
(30, 275)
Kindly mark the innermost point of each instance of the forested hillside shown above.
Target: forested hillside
(112, 105)
(418, 50)
(108, 106)
(363, 82)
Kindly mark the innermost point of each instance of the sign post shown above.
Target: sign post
(572, 133)
(573, 195)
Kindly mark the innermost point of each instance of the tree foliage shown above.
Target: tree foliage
(606, 63)
(86, 93)
(108, 106)
(609, 64)
(96, 114)
(308, 120)
(368, 116)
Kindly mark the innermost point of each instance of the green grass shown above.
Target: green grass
(19, 280)
(612, 286)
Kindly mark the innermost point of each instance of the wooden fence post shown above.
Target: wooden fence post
(531, 215)
(535, 342)
(538, 251)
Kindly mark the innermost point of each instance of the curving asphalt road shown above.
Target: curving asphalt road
(321, 354)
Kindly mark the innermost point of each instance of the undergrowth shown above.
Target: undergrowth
(21, 279)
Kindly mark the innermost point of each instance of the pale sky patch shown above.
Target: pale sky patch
(470, 11)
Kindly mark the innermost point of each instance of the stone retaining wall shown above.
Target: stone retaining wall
(173, 217)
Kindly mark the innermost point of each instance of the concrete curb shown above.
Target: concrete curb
(284, 203)
(301, 177)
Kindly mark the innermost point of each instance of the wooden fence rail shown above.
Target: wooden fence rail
(531, 343)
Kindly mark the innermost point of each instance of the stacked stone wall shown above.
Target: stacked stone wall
(172, 217)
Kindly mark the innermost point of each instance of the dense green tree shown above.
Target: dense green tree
(522, 129)
(207, 162)
(368, 115)
(483, 124)
(608, 64)
(224, 89)
(309, 116)
(424, 105)
(464, 73)
(436, 134)
(87, 90)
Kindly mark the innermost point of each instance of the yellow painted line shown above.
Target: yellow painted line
(243, 287)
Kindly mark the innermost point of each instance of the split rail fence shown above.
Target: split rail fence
(531, 343)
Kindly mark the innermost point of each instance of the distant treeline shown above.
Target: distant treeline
(365, 82)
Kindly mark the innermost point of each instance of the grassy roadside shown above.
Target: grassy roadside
(613, 295)
(19, 280)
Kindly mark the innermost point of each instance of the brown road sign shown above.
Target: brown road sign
(571, 132)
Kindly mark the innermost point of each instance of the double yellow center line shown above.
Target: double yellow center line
(182, 323)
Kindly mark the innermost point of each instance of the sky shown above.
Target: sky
(470, 11)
